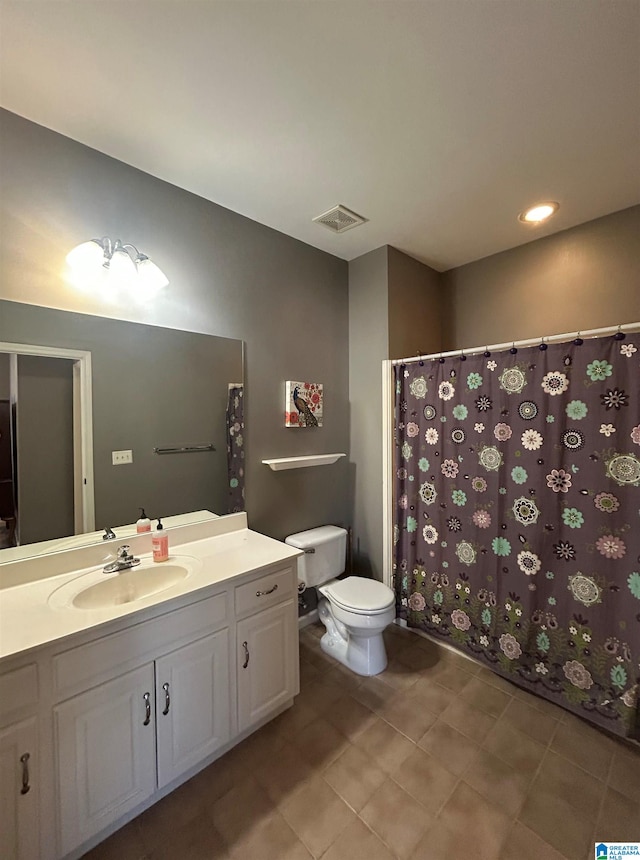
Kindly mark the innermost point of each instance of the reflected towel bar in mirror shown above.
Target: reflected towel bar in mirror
(187, 449)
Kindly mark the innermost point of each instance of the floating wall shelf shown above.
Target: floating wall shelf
(301, 462)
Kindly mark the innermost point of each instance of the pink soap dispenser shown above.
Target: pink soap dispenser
(144, 523)
(160, 543)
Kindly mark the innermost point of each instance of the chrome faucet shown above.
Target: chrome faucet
(109, 534)
(124, 561)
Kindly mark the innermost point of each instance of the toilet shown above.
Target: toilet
(354, 610)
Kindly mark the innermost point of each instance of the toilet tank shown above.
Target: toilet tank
(324, 556)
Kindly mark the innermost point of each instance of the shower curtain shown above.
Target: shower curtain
(517, 522)
(235, 448)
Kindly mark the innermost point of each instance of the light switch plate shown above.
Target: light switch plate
(119, 458)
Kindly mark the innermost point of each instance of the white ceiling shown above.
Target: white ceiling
(439, 120)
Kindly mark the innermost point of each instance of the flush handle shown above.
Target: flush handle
(24, 760)
(147, 706)
(269, 591)
(246, 655)
(167, 699)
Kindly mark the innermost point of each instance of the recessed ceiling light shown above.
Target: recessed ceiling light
(538, 213)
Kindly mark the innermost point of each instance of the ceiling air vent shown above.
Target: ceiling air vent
(339, 219)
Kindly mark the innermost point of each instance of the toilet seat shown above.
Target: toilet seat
(359, 595)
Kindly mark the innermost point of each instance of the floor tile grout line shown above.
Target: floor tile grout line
(580, 767)
(448, 797)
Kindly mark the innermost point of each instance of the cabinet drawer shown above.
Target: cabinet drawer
(265, 591)
(18, 689)
(91, 664)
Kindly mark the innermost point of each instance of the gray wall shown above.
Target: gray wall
(395, 310)
(228, 276)
(45, 448)
(368, 347)
(417, 321)
(586, 277)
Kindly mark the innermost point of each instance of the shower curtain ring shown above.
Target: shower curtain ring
(619, 335)
(543, 345)
(441, 359)
(463, 357)
(578, 341)
(513, 349)
(486, 352)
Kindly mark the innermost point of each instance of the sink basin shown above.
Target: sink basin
(97, 590)
(130, 585)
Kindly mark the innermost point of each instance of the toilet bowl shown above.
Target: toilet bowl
(356, 612)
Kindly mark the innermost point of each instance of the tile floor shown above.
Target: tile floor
(435, 758)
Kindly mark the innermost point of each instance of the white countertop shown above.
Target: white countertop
(28, 620)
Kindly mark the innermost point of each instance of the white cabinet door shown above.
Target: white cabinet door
(19, 826)
(106, 750)
(192, 704)
(267, 655)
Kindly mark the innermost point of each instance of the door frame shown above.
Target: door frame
(83, 481)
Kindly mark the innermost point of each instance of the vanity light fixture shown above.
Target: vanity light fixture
(121, 261)
(538, 213)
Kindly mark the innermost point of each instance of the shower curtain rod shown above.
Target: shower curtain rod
(594, 332)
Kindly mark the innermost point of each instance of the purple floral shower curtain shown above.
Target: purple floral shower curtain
(517, 529)
(235, 448)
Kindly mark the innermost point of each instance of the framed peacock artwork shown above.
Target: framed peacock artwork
(303, 404)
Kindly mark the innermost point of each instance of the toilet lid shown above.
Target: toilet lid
(360, 595)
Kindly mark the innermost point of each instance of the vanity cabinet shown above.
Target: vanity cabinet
(19, 787)
(119, 742)
(105, 751)
(266, 667)
(266, 645)
(192, 705)
(97, 725)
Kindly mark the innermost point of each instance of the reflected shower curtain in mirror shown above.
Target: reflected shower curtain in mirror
(235, 448)
(517, 528)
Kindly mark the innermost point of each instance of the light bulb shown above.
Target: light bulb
(87, 256)
(537, 214)
(121, 267)
(114, 270)
(150, 276)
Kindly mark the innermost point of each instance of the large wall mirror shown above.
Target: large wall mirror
(153, 390)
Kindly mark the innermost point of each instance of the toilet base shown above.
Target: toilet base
(363, 654)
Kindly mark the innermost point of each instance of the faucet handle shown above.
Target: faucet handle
(109, 533)
(123, 552)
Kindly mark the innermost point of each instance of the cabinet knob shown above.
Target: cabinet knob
(269, 591)
(24, 760)
(167, 699)
(246, 655)
(147, 707)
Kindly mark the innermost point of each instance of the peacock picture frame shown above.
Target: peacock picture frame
(303, 404)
